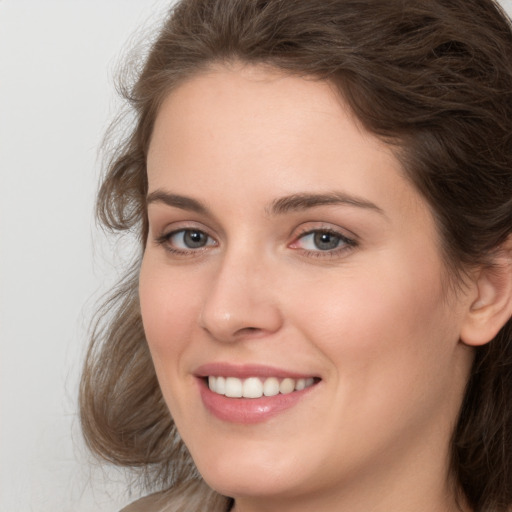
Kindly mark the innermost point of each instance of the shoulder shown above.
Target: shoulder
(152, 503)
(169, 501)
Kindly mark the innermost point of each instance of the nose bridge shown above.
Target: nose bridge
(240, 300)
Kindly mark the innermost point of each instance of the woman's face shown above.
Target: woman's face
(286, 250)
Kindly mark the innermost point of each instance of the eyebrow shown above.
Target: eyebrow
(177, 201)
(300, 202)
(280, 206)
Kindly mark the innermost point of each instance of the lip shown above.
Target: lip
(248, 410)
(245, 371)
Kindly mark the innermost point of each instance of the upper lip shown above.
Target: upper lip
(244, 371)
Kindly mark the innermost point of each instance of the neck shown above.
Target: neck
(353, 501)
(420, 482)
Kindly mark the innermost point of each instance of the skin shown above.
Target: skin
(372, 317)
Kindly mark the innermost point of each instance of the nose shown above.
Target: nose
(241, 302)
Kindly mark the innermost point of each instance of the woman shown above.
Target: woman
(323, 195)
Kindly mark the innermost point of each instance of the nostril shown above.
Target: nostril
(238, 318)
(249, 333)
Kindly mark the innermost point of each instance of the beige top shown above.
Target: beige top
(180, 502)
(150, 503)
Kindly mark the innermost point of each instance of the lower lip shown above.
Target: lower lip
(249, 410)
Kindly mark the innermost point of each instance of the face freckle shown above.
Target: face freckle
(316, 258)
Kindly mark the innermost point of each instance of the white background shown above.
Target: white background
(57, 60)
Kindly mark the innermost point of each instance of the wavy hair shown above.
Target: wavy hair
(433, 78)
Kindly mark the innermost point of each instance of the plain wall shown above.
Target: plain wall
(56, 98)
(57, 61)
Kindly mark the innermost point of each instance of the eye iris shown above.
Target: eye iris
(194, 239)
(325, 241)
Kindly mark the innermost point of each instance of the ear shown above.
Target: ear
(491, 302)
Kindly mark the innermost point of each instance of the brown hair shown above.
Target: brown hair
(431, 77)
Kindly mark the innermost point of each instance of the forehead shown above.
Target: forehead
(257, 110)
(256, 130)
(259, 104)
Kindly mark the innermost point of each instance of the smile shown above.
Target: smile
(252, 393)
(255, 387)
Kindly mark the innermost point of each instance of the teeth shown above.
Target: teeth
(300, 384)
(234, 387)
(220, 385)
(286, 386)
(254, 387)
(271, 387)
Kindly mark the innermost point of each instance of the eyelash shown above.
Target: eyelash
(165, 241)
(346, 243)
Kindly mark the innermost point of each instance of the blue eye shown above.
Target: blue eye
(189, 239)
(322, 240)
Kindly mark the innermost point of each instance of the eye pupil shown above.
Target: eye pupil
(326, 241)
(194, 239)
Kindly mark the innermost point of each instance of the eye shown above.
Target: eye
(185, 240)
(189, 239)
(322, 240)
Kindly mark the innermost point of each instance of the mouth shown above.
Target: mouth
(250, 394)
(257, 387)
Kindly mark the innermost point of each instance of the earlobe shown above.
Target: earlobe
(492, 307)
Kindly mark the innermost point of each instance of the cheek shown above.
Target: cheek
(168, 308)
(371, 307)
(391, 348)
(383, 328)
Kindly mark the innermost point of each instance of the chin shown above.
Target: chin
(250, 476)
(248, 485)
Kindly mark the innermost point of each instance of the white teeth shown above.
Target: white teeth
(271, 387)
(300, 384)
(220, 385)
(233, 387)
(254, 387)
(286, 386)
